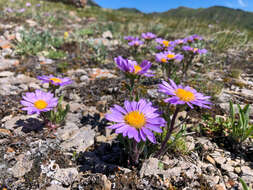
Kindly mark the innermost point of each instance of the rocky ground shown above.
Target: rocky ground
(83, 154)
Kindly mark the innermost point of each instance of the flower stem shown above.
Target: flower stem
(136, 153)
(132, 88)
(168, 134)
(187, 64)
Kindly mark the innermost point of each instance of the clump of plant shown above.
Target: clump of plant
(33, 42)
(48, 104)
(214, 126)
(138, 120)
(99, 51)
(240, 128)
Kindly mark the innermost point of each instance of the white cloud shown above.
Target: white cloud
(242, 3)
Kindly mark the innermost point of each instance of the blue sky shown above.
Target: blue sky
(164, 5)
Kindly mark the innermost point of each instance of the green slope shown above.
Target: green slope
(213, 14)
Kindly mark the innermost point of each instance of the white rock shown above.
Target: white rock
(107, 34)
(56, 187)
(22, 166)
(6, 74)
(80, 141)
(66, 175)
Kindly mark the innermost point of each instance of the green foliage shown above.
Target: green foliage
(99, 51)
(214, 126)
(56, 54)
(241, 129)
(62, 67)
(59, 116)
(177, 141)
(85, 32)
(33, 42)
(244, 185)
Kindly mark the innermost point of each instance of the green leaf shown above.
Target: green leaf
(244, 185)
(232, 111)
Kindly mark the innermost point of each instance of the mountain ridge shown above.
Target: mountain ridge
(214, 14)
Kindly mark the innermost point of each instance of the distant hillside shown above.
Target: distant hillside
(133, 10)
(215, 14)
(92, 3)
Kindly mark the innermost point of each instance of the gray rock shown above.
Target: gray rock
(232, 175)
(220, 160)
(6, 74)
(73, 117)
(45, 85)
(153, 93)
(7, 89)
(68, 131)
(246, 170)
(237, 170)
(247, 92)
(170, 169)
(56, 187)
(211, 180)
(101, 138)
(84, 78)
(66, 175)
(107, 34)
(45, 60)
(224, 97)
(22, 166)
(227, 167)
(149, 167)
(190, 143)
(34, 85)
(79, 140)
(74, 106)
(106, 183)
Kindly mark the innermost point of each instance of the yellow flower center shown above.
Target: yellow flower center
(56, 80)
(170, 56)
(184, 95)
(135, 119)
(195, 49)
(66, 35)
(164, 60)
(40, 104)
(166, 43)
(137, 69)
(136, 43)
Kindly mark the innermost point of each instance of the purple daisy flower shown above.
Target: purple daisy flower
(161, 57)
(55, 80)
(183, 95)
(194, 50)
(10, 10)
(197, 37)
(133, 67)
(164, 43)
(135, 43)
(130, 38)
(38, 102)
(136, 120)
(148, 36)
(173, 56)
(28, 4)
(167, 56)
(21, 10)
(179, 41)
(188, 39)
